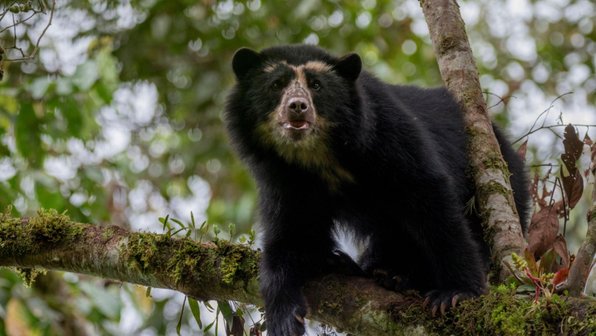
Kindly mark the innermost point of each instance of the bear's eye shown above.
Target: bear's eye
(316, 85)
(276, 85)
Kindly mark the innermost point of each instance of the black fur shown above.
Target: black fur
(395, 169)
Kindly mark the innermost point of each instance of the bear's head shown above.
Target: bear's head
(293, 96)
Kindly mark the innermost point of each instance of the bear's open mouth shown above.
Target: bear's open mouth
(296, 124)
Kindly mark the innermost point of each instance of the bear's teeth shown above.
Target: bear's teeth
(296, 124)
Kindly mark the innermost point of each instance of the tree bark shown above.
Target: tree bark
(223, 271)
(458, 70)
(580, 270)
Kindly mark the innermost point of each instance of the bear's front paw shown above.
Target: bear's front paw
(441, 300)
(287, 324)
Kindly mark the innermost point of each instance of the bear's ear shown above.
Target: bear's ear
(245, 60)
(349, 67)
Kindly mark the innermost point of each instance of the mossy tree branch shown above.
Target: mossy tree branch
(458, 70)
(224, 271)
(213, 270)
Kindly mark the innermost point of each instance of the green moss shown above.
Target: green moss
(10, 233)
(109, 232)
(220, 261)
(491, 161)
(492, 187)
(188, 255)
(29, 236)
(145, 252)
(141, 249)
(229, 267)
(415, 314)
(509, 321)
(52, 227)
(495, 162)
(505, 289)
(28, 275)
(501, 312)
(236, 264)
(332, 303)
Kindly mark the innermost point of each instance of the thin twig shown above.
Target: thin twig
(19, 22)
(545, 114)
(36, 46)
(7, 10)
(501, 99)
(550, 128)
(544, 165)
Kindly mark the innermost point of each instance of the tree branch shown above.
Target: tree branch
(224, 271)
(213, 270)
(580, 269)
(458, 70)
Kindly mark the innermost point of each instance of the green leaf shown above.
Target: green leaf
(547, 261)
(74, 116)
(4, 150)
(179, 325)
(63, 86)
(179, 222)
(104, 92)
(8, 104)
(27, 135)
(39, 87)
(86, 75)
(226, 310)
(196, 311)
(209, 306)
(48, 198)
(106, 301)
(210, 325)
(7, 195)
(108, 68)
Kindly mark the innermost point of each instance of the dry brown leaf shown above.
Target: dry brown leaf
(573, 184)
(560, 276)
(560, 247)
(534, 188)
(237, 326)
(573, 148)
(543, 199)
(543, 230)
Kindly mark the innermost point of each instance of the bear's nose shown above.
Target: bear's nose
(297, 105)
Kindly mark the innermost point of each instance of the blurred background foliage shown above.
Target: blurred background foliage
(117, 117)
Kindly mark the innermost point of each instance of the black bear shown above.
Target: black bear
(329, 144)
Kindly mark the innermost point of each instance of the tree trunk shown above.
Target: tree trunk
(494, 193)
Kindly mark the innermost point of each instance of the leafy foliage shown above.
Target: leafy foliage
(546, 261)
